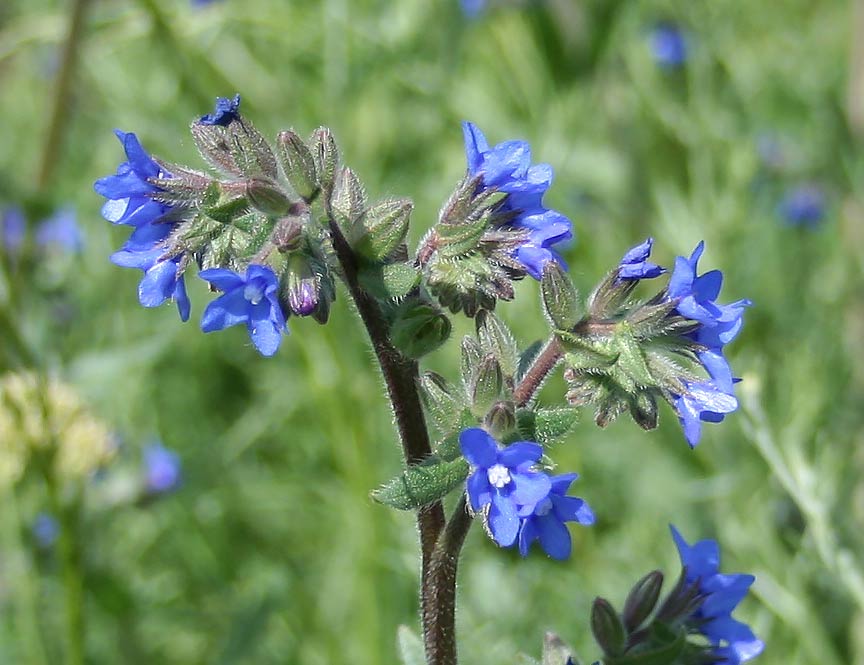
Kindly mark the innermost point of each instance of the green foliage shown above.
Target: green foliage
(271, 550)
(421, 484)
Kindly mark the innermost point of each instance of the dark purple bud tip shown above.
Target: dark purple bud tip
(226, 111)
(303, 298)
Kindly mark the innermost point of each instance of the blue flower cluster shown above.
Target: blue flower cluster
(712, 399)
(130, 193)
(507, 168)
(524, 504)
(733, 642)
(803, 205)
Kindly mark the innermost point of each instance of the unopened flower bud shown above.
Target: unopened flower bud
(419, 328)
(487, 386)
(301, 286)
(501, 419)
(607, 627)
(267, 197)
(288, 233)
(560, 299)
(297, 164)
(641, 600)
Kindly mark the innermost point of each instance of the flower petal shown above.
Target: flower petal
(503, 520)
(478, 447)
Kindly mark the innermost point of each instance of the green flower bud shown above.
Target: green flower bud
(607, 627)
(298, 164)
(560, 299)
(267, 196)
(419, 328)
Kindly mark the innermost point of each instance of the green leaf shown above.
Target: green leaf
(495, 338)
(422, 484)
(560, 298)
(383, 228)
(410, 647)
(552, 424)
(443, 405)
(388, 282)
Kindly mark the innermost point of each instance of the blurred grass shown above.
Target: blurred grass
(272, 552)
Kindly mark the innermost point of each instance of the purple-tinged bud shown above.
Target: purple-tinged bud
(302, 287)
(501, 419)
(288, 233)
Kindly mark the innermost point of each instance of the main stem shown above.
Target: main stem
(439, 633)
(401, 376)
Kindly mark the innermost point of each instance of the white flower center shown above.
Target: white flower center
(498, 476)
(253, 292)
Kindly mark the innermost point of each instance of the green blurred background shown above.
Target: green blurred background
(271, 550)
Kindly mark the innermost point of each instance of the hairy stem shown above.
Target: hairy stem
(58, 123)
(543, 364)
(401, 376)
(439, 632)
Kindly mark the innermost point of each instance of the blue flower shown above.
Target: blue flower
(668, 45)
(251, 300)
(130, 202)
(706, 401)
(545, 521)
(13, 230)
(60, 232)
(472, 8)
(504, 479)
(45, 530)
(803, 205)
(161, 469)
(635, 263)
(507, 168)
(733, 641)
(225, 111)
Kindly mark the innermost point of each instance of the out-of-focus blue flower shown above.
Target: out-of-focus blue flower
(707, 401)
(545, 521)
(668, 45)
(472, 8)
(13, 230)
(162, 469)
(225, 111)
(60, 232)
(770, 150)
(803, 205)
(733, 641)
(635, 263)
(130, 201)
(45, 530)
(504, 478)
(251, 300)
(507, 168)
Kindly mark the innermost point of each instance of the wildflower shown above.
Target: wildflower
(13, 229)
(707, 401)
(251, 300)
(472, 8)
(668, 45)
(546, 520)
(803, 205)
(130, 193)
(507, 168)
(635, 263)
(45, 530)
(60, 232)
(504, 479)
(732, 641)
(225, 111)
(161, 469)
